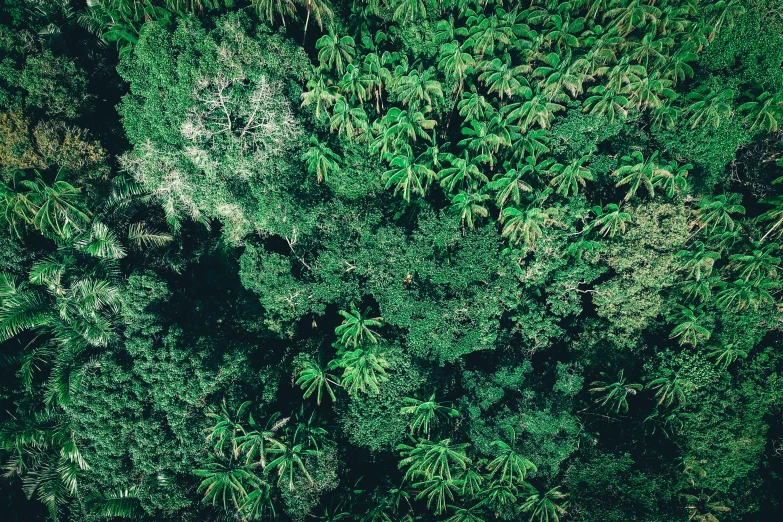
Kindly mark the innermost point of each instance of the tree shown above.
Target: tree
(320, 159)
(356, 328)
(568, 178)
(462, 174)
(639, 172)
(669, 390)
(350, 122)
(363, 370)
(408, 10)
(320, 94)
(690, 329)
(610, 220)
(227, 484)
(510, 184)
(537, 110)
(335, 52)
(320, 10)
(313, 378)
(418, 87)
(426, 413)
(469, 206)
(524, 225)
(455, 64)
(502, 78)
(714, 212)
(289, 462)
(548, 507)
(709, 107)
(408, 177)
(614, 395)
(433, 459)
(511, 467)
(765, 112)
(606, 102)
(55, 210)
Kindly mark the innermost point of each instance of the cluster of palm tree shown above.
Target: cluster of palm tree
(440, 472)
(249, 459)
(506, 73)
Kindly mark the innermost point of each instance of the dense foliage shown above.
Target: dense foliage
(391, 260)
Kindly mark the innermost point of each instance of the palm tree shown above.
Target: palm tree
(615, 394)
(739, 295)
(463, 173)
(532, 143)
(774, 215)
(690, 330)
(673, 179)
(486, 34)
(698, 262)
(433, 459)
(474, 106)
(510, 183)
(561, 75)
(289, 460)
(714, 212)
(480, 138)
(314, 378)
(407, 125)
(499, 496)
(45, 455)
(320, 10)
(356, 84)
(455, 64)
(676, 68)
(378, 75)
(562, 32)
(765, 112)
(510, 465)
(363, 370)
(426, 413)
(537, 110)
(568, 178)
(702, 507)
(669, 390)
(408, 10)
(504, 79)
(347, 121)
(709, 107)
(254, 444)
(227, 483)
(356, 328)
(649, 92)
(605, 102)
(724, 10)
(335, 52)
(418, 87)
(226, 430)
(524, 225)
(320, 159)
(437, 489)
(759, 263)
(726, 355)
(610, 219)
(269, 9)
(471, 514)
(632, 15)
(548, 507)
(408, 176)
(637, 172)
(55, 210)
(320, 93)
(469, 206)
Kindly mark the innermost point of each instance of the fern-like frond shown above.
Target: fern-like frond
(142, 236)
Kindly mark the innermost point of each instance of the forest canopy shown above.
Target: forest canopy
(391, 260)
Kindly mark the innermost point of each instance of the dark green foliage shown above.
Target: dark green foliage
(400, 260)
